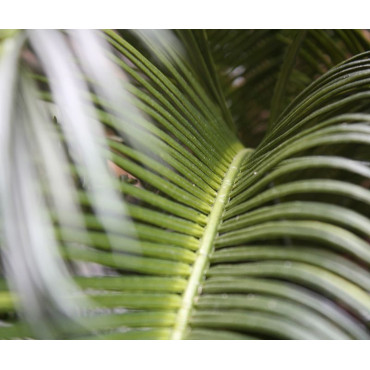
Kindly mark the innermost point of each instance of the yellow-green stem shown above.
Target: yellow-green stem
(206, 245)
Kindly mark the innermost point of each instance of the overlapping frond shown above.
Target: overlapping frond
(263, 70)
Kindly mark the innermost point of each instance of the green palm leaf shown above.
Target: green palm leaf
(212, 232)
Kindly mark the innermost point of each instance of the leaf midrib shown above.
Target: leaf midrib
(206, 244)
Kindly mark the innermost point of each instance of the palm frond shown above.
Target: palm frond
(202, 237)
